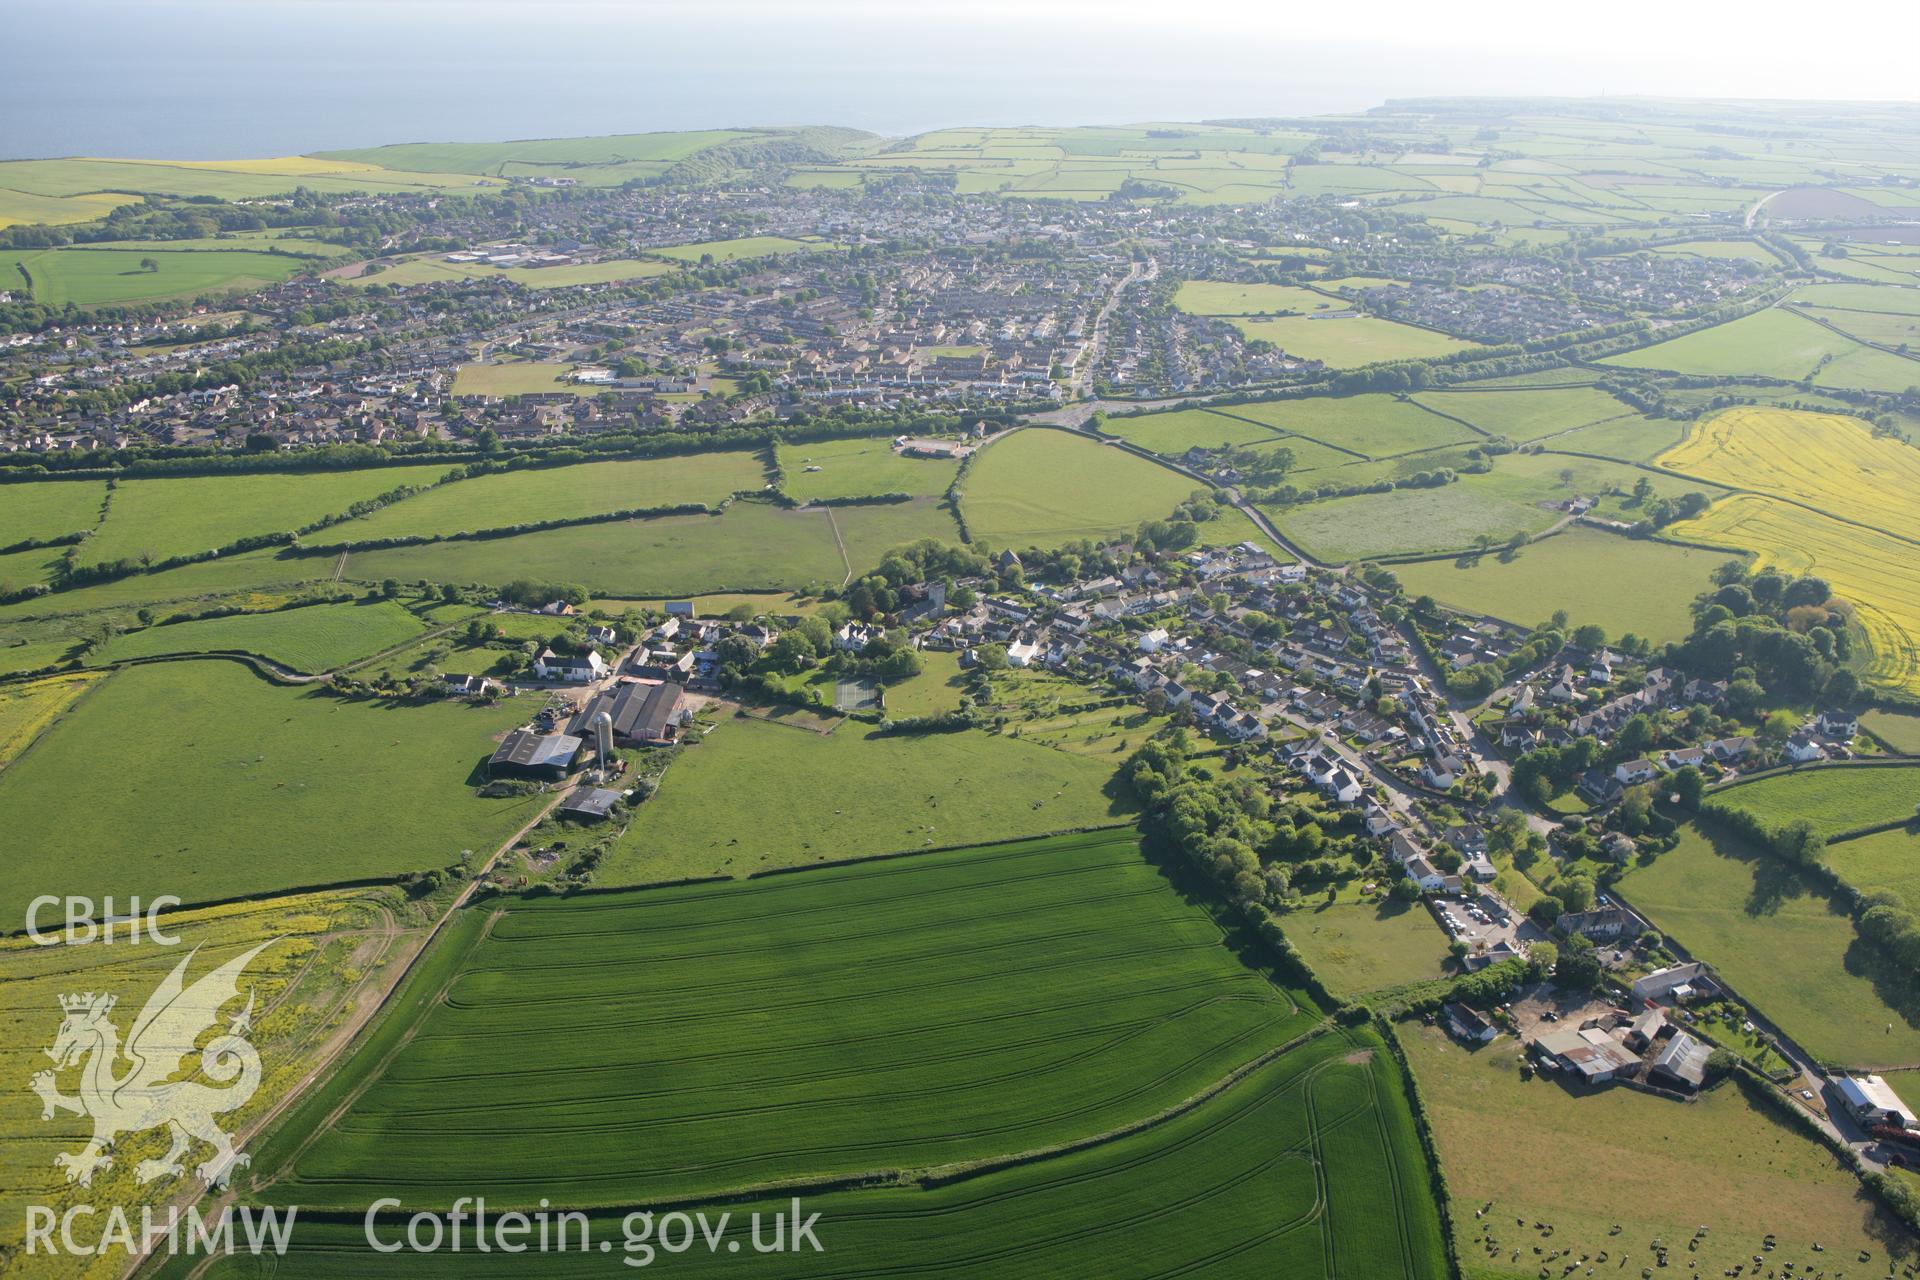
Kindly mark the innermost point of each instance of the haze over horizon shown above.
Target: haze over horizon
(221, 78)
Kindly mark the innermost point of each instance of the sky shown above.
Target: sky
(213, 78)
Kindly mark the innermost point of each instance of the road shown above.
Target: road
(1080, 386)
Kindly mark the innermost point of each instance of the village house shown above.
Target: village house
(572, 668)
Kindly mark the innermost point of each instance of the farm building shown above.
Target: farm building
(590, 804)
(1470, 1024)
(525, 754)
(1873, 1101)
(642, 714)
(1682, 1064)
(573, 668)
(1591, 1054)
(1682, 982)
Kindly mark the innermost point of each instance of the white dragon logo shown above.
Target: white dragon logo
(161, 1040)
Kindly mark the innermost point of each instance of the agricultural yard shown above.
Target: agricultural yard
(1350, 341)
(88, 276)
(1742, 911)
(237, 786)
(878, 1008)
(529, 495)
(1356, 946)
(755, 796)
(753, 546)
(1835, 799)
(517, 378)
(327, 950)
(1870, 571)
(1039, 488)
(160, 519)
(314, 638)
(1627, 585)
(859, 468)
(1228, 1185)
(1636, 1164)
(39, 510)
(1834, 464)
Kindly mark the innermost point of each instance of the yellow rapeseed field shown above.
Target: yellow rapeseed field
(1875, 573)
(1832, 463)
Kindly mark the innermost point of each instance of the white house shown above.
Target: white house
(1154, 641)
(854, 637)
(1801, 748)
(1630, 773)
(549, 665)
(1021, 653)
(1343, 786)
(1425, 874)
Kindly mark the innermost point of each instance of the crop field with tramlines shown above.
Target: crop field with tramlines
(1871, 571)
(1307, 1166)
(900, 1014)
(1834, 464)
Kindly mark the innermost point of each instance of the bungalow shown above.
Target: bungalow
(1680, 981)
(1631, 773)
(1873, 1101)
(572, 668)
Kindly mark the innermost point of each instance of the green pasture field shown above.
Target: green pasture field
(24, 207)
(1652, 1169)
(27, 709)
(1224, 298)
(1771, 343)
(1057, 711)
(223, 179)
(1176, 431)
(859, 468)
(1407, 521)
(1884, 862)
(1040, 488)
(1899, 730)
(518, 378)
(1229, 1186)
(32, 655)
(1373, 426)
(1351, 342)
(1835, 799)
(899, 1014)
(529, 495)
(43, 509)
(1630, 439)
(1875, 299)
(202, 780)
(1741, 250)
(315, 638)
(1526, 415)
(434, 269)
(744, 247)
(1741, 911)
(1558, 477)
(1871, 370)
(753, 547)
(86, 276)
(868, 533)
(206, 580)
(1887, 329)
(756, 795)
(489, 157)
(1623, 584)
(936, 689)
(1356, 946)
(25, 568)
(171, 517)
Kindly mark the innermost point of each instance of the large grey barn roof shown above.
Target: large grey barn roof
(525, 750)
